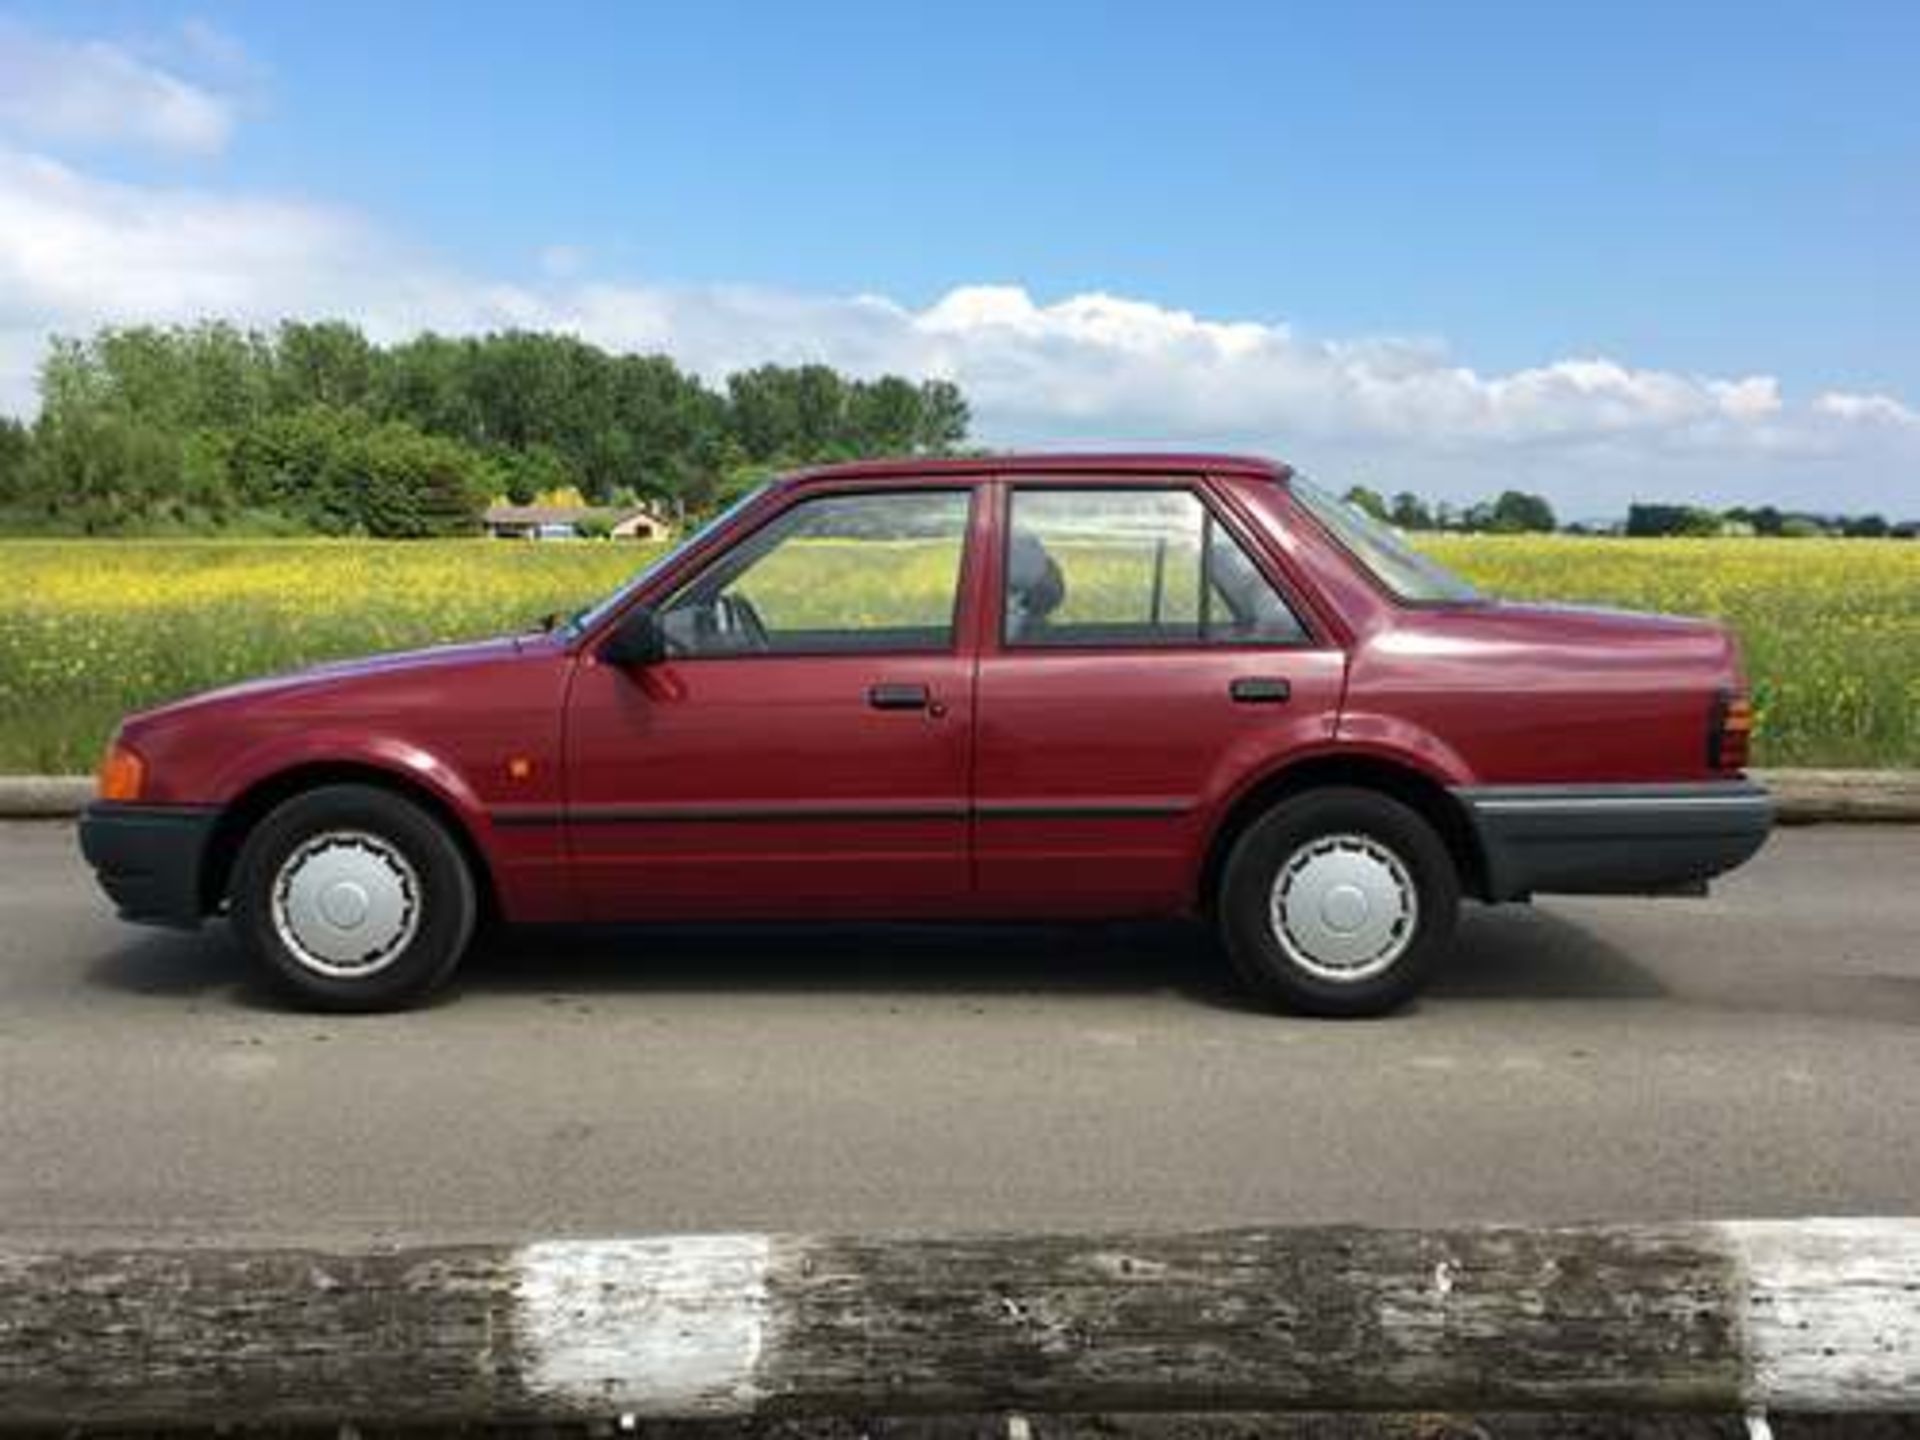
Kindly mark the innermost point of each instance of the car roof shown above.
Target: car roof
(1092, 464)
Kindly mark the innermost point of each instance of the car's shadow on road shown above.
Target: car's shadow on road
(1510, 953)
(1515, 952)
(179, 965)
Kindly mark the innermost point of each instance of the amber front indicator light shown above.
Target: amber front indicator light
(1731, 735)
(122, 773)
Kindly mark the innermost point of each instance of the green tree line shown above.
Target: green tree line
(1517, 512)
(1655, 519)
(1514, 512)
(312, 427)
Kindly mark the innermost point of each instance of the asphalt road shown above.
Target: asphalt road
(1755, 1054)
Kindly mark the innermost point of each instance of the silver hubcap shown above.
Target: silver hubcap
(1344, 907)
(346, 903)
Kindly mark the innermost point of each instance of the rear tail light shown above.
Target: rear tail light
(122, 774)
(1730, 731)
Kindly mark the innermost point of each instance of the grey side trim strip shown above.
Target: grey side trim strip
(1683, 802)
(143, 810)
(719, 814)
(1623, 794)
(536, 815)
(527, 815)
(1125, 810)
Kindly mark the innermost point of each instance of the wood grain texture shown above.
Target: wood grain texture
(1811, 797)
(1829, 1312)
(1261, 1319)
(1644, 1318)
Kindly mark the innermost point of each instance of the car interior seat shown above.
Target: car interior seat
(1035, 586)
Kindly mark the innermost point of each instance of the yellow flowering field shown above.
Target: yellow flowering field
(91, 629)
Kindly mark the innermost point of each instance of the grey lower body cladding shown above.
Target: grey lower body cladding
(148, 858)
(1613, 839)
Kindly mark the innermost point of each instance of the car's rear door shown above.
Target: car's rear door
(1143, 661)
(805, 749)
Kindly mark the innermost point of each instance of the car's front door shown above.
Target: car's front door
(804, 749)
(1144, 663)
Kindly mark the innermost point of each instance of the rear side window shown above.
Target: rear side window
(1133, 566)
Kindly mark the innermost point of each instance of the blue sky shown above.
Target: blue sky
(1589, 249)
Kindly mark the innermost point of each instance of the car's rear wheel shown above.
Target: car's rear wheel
(351, 897)
(1339, 902)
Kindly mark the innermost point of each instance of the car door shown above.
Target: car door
(1145, 661)
(804, 748)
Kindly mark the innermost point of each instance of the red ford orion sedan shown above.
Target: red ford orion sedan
(1016, 687)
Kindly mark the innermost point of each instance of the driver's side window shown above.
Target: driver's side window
(841, 574)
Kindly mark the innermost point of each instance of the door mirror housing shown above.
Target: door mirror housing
(637, 641)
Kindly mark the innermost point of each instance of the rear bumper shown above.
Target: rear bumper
(1613, 839)
(149, 858)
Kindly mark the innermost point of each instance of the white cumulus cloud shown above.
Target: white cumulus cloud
(1874, 409)
(78, 251)
(97, 92)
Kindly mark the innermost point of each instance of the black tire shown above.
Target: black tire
(438, 896)
(1277, 838)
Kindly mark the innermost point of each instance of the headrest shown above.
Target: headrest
(1033, 579)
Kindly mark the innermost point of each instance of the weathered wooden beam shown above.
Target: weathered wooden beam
(1811, 797)
(1793, 1315)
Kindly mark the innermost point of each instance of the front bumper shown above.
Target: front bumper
(149, 858)
(1613, 839)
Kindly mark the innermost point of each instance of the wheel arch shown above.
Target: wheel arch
(1407, 783)
(245, 811)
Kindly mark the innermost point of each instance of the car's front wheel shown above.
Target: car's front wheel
(350, 897)
(1338, 901)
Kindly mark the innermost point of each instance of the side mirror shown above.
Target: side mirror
(637, 641)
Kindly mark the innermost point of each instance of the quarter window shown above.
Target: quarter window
(1410, 575)
(1133, 567)
(838, 574)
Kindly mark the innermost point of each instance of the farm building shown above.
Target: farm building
(548, 522)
